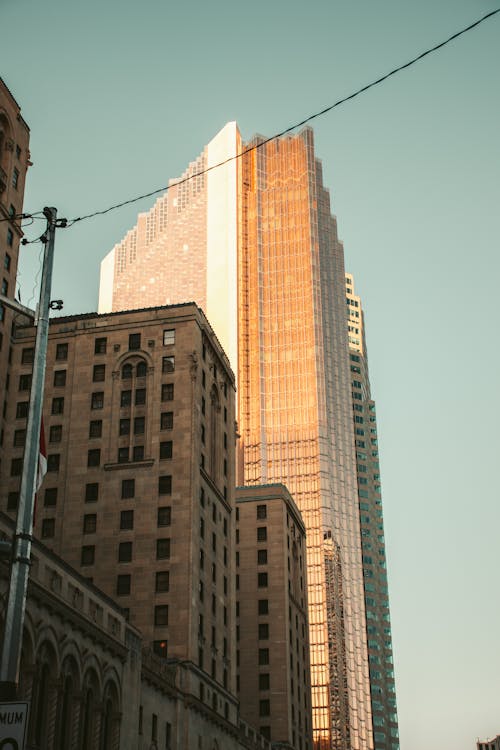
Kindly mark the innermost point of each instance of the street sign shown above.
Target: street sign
(13, 725)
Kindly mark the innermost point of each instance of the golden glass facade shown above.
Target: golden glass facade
(295, 415)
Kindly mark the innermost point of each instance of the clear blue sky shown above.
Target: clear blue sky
(120, 96)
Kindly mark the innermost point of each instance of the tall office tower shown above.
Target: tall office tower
(283, 267)
(273, 680)
(138, 497)
(378, 622)
(14, 162)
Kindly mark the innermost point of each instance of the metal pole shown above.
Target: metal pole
(21, 546)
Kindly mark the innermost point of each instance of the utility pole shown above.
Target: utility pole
(21, 543)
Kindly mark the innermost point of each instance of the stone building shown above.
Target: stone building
(274, 683)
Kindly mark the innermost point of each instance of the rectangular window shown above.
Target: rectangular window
(48, 528)
(123, 585)
(10, 242)
(164, 515)
(89, 523)
(124, 428)
(55, 434)
(58, 405)
(15, 178)
(262, 580)
(12, 501)
(261, 511)
(261, 533)
(263, 606)
(94, 457)
(61, 352)
(27, 356)
(264, 681)
(165, 485)
(19, 438)
(99, 373)
(53, 460)
(126, 520)
(138, 453)
(125, 552)
(140, 396)
(123, 455)
(262, 557)
(87, 555)
(134, 341)
(263, 631)
(100, 346)
(95, 428)
(91, 492)
(263, 656)
(167, 420)
(167, 392)
(128, 488)
(126, 398)
(60, 378)
(22, 409)
(50, 497)
(168, 364)
(139, 425)
(162, 581)
(162, 549)
(264, 708)
(161, 615)
(166, 449)
(169, 337)
(24, 382)
(97, 400)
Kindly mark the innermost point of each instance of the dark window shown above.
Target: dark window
(27, 356)
(167, 420)
(261, 533)
(138, 453)
(164, 515)
(169, 337)
(264, 708)
(53, 460)
(140, 396)
(128, 488)
(22, 409)
(55, 434)
(95, 428)
(162, 581)
(263, 607)
(99, 373)
(88, 555)
(62, 352)
(123, 455)
(10, 242)
(262, 580)
(60, 378)
(162, 549)
(123, 585)
(127, 371)
(50, 497)
(134, 341)
(264, 681)
(124, 426)
(263, 656)
(89, 523)
(165, 485)
(167, 392)
(58, 405)
(141, 370)
(48, 528)
(24, 382)
(263, 631)
(100, 346)
(161, 614)
(262, 556)
(168, 364)
(126, 519)
(94, 457)
(15, 178)
(166, 449)
(126, 398)
(97, 400)
(20, 438)
(91, 492)
(139, 425)
(12, 500)
(261, 511)
(125, 552)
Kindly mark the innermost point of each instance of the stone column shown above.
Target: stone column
(76, 712)
(96, 726)
(54, 693)
(115, 723)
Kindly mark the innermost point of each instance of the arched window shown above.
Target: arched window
(127, 371)
(141, 369)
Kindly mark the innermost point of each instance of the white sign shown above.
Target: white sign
(13, 725)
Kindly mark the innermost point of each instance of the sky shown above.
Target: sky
(120, 96)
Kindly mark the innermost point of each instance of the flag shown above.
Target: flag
(42, 465)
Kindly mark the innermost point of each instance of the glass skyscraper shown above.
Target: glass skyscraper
(255, 244)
